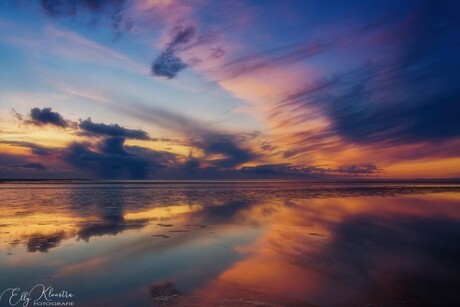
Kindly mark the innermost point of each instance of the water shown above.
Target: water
(258, 243)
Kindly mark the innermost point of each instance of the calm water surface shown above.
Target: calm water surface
(234, 243)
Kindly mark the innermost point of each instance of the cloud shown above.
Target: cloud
(43, 243)
(162, 159)
(63, 7)
(90, 12)
(268, 169)
(181, 35)
(182, 38)
(35, 148)
(111, 228)
(108, 160)
(223, 213)
(230, 149)
(216, 53)
(168, 64)
(216, 144)
(429, 240)
(270, 59)
(23, 166)
(113, 130)
(16, 115)
(299, 171)
(34, 165)
(45, 116)
(408, 95)
(358, 169)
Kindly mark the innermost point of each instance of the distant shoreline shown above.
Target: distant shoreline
(219, 181)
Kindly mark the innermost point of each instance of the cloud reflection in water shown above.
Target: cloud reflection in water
(272, 244)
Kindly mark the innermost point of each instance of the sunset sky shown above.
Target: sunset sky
(164, 89)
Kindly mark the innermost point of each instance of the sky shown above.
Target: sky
(201, 89)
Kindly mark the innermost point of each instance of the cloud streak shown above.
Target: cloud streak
(287, 169)
(113, 130)
(275, 58)
(407, 95)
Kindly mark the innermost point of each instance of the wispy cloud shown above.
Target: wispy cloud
(113, 130)
(183, 38)
(405, 96)
(270, 59)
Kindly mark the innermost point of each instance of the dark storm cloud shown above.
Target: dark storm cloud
(113, 146)
(168, 64)
(163, 159)
(408, 95)
(45, 116)
(113, 130)
(111, 160)
(215, 144)
(212, 142)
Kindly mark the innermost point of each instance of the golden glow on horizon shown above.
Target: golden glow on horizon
(14, 150)
(435, 168)
(331, 152)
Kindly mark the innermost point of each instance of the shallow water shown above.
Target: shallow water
(232, 244)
